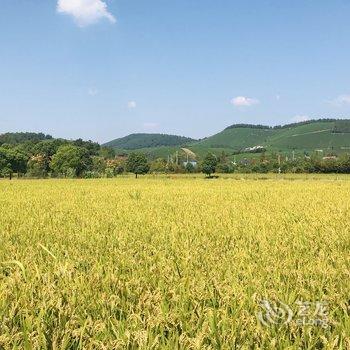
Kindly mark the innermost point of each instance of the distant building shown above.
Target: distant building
(193, 162)
(330, 158)
(244, 161)
(255, 149)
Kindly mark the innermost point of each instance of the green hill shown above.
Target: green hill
(140, 141)
(237, 138)
(330, 135)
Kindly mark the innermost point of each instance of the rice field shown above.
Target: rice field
(182, 263)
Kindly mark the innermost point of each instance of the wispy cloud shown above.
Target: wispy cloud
(92, 92)
(241, 101)
(300, 118)
(85, 12)
(341, 100)
(132, 104)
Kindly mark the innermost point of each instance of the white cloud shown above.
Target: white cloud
(85, 12)
(341, 100)
(241, 101)
(278, 97)
(92, 92)
(150, 126)
(300, 118)
(132, 104)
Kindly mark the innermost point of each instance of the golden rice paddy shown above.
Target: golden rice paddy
(183, 263)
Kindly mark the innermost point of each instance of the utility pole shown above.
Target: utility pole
(279, 164)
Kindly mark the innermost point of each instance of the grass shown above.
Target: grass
(301, 138)
(237, 138)
(308, 137)
(172, 263)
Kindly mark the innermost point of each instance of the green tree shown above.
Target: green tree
(12, 161)
(225, 168)
(98, 164)
(137, 164)
(37, 166)
(71, 160)
(18, 161)
(114, 167)
(46, 149)
(189, 167)
(93, 148)
(158, 165)
(106, 152)
(209, 164)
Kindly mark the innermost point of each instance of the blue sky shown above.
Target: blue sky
(102, 69)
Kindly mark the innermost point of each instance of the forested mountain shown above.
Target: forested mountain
(330, 135)
(137, 141)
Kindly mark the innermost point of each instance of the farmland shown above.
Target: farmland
(332, 136)
(173, 263)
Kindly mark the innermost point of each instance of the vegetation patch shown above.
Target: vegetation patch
(173, 264)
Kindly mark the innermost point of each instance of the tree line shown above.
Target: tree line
(40, 156)
(340, 124)
(43, 156)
